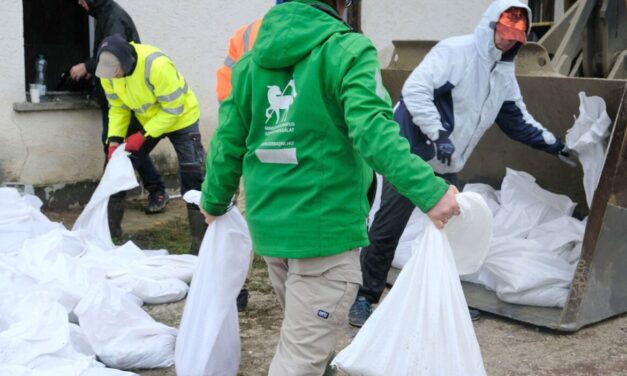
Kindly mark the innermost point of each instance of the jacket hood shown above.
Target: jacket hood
(484, 33)
(121, 49)
(97, 6)
(290, 31)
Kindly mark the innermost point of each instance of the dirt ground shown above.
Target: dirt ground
(509, 348)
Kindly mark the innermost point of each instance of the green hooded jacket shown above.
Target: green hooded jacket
(307, 121)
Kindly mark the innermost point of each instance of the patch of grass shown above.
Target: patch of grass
(173, 235)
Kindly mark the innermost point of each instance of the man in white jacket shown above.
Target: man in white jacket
(463, 85)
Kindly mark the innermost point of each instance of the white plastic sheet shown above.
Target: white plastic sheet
(588, 137)
(422, 327)
(208, 343)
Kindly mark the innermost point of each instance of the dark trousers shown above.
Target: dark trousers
(189, 151)
(385, 233)
(148, 174)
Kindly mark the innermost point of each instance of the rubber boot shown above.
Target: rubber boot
(115, 212)
(197, 227)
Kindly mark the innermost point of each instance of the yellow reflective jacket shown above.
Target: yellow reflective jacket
(155, 91)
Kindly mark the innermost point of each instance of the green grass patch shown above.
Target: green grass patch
(173, 235)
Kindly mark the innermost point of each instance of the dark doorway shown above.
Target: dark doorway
(59, 30)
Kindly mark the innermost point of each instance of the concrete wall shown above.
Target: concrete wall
(387, 20)
(62, 147)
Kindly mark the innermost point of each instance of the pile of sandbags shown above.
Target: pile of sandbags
(52, 279)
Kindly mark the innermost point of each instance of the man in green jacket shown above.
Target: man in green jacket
(306, 123)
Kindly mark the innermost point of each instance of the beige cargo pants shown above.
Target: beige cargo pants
(315, 295)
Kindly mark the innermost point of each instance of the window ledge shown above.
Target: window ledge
(58, 101)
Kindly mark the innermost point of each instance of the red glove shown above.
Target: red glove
(134, 142)
(112, 148)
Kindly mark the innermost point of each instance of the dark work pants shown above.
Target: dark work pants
(189, 151)
(148, 174)
(384, 234)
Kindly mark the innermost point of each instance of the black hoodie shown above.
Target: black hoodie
(110, 19)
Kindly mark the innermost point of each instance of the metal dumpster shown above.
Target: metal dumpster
(599, 288)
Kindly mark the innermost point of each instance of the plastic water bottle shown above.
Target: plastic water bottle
(40, 76)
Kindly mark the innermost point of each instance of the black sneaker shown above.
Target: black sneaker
(359, 313)
(156, 202)
(242, 300)
(474, 314)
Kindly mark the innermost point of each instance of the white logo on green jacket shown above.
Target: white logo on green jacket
(278, 146)
(280, 101)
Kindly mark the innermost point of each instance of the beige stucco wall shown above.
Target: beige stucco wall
(59, 147)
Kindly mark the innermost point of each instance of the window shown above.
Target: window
(58, 29)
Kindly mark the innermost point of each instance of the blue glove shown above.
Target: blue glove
(445, 149)
(564, 155)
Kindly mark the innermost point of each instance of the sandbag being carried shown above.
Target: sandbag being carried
(208, 343)
(422, 327)
(468, 234)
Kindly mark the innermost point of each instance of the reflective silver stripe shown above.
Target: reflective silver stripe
(143, 108)
(122, 107)
(112, 96)
(149, 61)
(280, 156)
(177, 93)
(174, 111)
(247, 33)
(229, 62)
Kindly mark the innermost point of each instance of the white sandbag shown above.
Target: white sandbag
(36, 325)
(121, 333)
(152, 291)
(468, 233)
(162, 267)
(562, 236)
(415, 226)
(523, 271)
(588, 137)
(491, 196)
(524, 205)
(208, 343)
(52, 261)
(21, 219)
(79, 341)
(119, 176)
(422, 327)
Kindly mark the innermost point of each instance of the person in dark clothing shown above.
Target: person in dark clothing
(112, 19)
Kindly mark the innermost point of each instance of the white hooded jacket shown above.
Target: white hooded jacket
(463, 85)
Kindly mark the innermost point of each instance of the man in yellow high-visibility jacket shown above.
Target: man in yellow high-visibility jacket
(141, 78)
